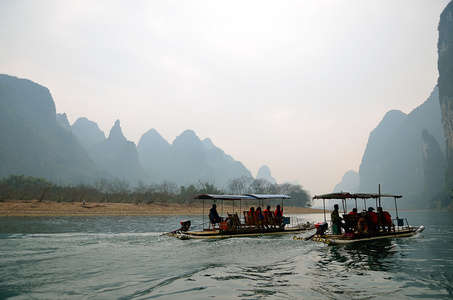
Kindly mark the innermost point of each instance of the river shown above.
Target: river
(128, 258)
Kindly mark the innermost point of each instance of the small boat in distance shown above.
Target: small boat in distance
(233, 225)
(361, 226)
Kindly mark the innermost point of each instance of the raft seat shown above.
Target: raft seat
(249, 219)
(351, 222)
(235, 221)
(269, 218)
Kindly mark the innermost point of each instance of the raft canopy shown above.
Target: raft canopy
(241, 197)
(346, 195)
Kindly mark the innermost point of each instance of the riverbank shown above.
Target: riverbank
(51, 208)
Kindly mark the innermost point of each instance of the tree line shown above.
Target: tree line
(20, 187)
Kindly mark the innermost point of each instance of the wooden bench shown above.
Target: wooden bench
(249, 219)
(351, 222)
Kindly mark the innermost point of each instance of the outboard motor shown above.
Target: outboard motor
(185, 225)
(321, 228)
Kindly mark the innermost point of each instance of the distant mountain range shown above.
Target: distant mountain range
(38, 142)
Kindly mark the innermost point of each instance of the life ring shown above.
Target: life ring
(362, 226)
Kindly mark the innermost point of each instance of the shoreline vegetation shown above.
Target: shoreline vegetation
(35, 208)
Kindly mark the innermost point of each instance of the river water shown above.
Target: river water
(128, 258)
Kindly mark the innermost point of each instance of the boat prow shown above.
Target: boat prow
(420, 229)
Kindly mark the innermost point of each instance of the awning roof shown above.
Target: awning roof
(345, 195)
(241, 197)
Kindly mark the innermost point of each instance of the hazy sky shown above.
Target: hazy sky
(295, 85)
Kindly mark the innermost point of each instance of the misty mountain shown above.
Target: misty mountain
(87, 132)
(62, 119)
(118, 157)
(434, 165)
(265, 173)
(445, 83)
(154, 154)
(187, 160)
(394, 155)
(33, 142)
(349, 183)
(38, 142)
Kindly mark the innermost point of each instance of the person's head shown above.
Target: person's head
(370, 209)
(278, 207)
(258, 208)
(214, 206)
(354, 210)
(335, 206)
(252, 208)
(268, 207)
(379, 209)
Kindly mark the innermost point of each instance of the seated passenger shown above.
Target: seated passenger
(268, 219)
(251, 216)
(374, 221)
(278, 215)
(351, 220)
(214, 216)
(337, 220)
(259, 217)
(385, 220)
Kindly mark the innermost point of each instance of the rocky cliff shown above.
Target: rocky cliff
(118, 157)
(33, 143)
(433, 166)
(394, 153)
(87, 132)
(445, 83)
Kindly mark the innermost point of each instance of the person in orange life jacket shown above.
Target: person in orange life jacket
(353, 212)
(268, 215)
(259, 217)
(373, 218)
(251, 216)
(384, 218)
(278, 214)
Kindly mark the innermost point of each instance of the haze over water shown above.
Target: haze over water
(128, 258)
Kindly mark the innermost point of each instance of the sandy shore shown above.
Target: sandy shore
(50, 208)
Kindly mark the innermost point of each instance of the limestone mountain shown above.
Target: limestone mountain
(38, 142)
(349, 183)
(445, 83)
(87, 132)
(265, 173)
(33, 143)
(62, 119)
(394, 152)
(154, 154)
(187, 160)
(118, 157)
(434, 165)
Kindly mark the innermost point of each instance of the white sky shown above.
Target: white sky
(295, 85)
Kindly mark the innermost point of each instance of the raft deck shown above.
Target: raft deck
(219, 234)
(337, 239)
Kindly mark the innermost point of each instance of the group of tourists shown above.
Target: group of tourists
(364, 222)
(262, 219)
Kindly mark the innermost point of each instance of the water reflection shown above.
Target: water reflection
(373, 256)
